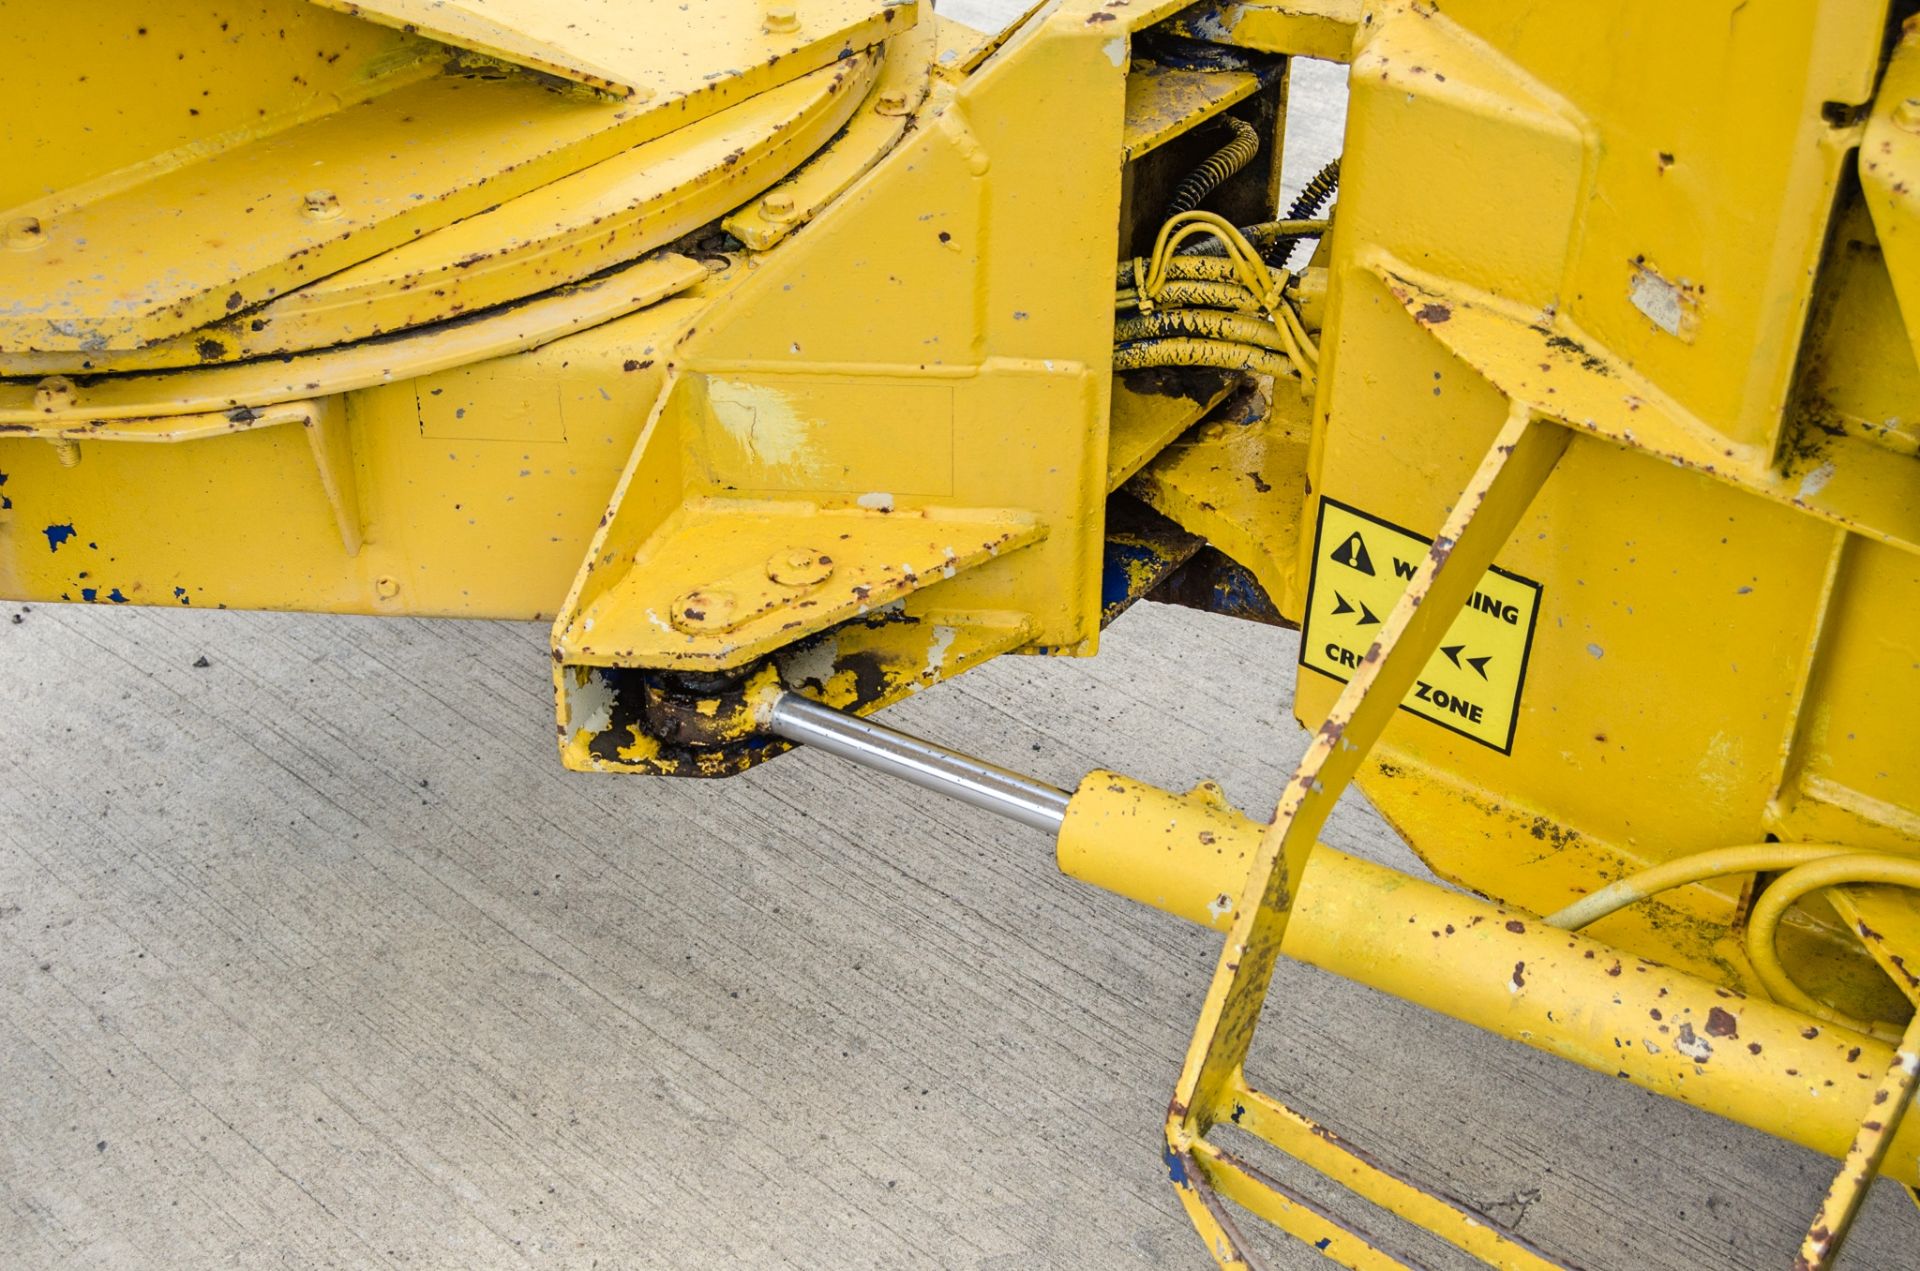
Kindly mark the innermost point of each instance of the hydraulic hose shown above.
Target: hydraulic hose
(1857, 869)
(1310, 201)
(1205, 324)
(1265, 236)
(1220, 165)
(1181, 351)
(1194, 294)
(1314, 194)
(1809, 868)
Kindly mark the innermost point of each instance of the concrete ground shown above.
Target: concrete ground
(314, 957)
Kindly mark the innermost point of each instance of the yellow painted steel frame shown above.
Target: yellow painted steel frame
(969, 279)
(1689, 324)
(1651, 352)
(1212, 1082)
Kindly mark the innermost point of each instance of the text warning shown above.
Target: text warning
(1361, 565)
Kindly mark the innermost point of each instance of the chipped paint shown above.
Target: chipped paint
(943, 638)
(762, 421)
(589, 701)
(1671, 306)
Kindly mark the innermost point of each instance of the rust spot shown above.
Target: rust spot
(1433, 312)
(1517, 927)
(1519, 975)
(1722, 1023)
(1097, 17)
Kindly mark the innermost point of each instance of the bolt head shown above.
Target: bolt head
(782, 19)
(386, 586)
(1906, 114)
(704, 610)
(891, 102)
(320, 205)
(53, 394)
(800, 567)
(778, 206)
(25, 234)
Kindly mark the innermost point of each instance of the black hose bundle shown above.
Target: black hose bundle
(1276, 239)
(1220, 165)
(1312, 197)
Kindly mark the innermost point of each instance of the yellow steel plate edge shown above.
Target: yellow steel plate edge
(1472, 685)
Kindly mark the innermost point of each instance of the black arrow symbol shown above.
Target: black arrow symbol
(1340, 606)
(1480, 665)
(1453, 652)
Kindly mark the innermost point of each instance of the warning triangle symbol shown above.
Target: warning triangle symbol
(1353, 553)
(1480, 665)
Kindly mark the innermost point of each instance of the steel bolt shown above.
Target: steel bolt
(67, 451)
(1906, 115)
(26, 234)
(320, 205)
(891, 102)
(782, 19)
(53, 395)
(778, 206)
(800, 567)
(704, 609)
(386, 586)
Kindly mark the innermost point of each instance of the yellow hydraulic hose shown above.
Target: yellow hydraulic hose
(1756, 859)
(1195, 293)
(1853, 869)
(1809, 868)
(1206, 324)
(1194, 352)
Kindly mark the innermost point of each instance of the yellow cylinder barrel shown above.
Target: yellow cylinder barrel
(1184, 854)
(1750, 1061)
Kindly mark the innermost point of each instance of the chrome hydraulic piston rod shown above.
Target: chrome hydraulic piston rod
(975, 781)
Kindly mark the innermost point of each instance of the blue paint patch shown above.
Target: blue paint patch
(1239, 1110)
(1130, 563)
(116, 597)
(57, 534)
(180, 594)
(89, 594)
(1322, 1243)
(1176, 1167)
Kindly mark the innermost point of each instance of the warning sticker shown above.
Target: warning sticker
(1361, 565)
